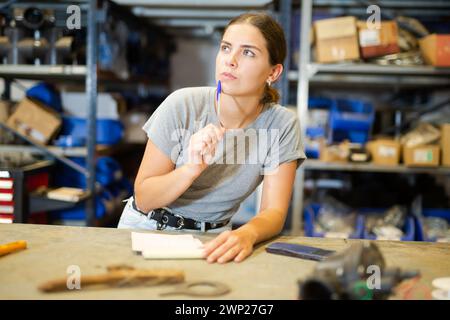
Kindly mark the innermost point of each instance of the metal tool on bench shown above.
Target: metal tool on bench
(119, 276)
(214, 289)
(351, 274)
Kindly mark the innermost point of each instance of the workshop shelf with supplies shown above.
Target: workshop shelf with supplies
(348, 76)
(86, 72)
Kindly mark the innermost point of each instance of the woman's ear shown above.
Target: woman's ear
(277, 70)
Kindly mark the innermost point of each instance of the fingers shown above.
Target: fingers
(210, 135)
(203, 144)
(216, 242)
(226, 247)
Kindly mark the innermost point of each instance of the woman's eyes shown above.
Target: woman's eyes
(246, 52)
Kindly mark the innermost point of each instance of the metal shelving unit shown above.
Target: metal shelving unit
(88, 73)
(311, 164)
(92, 15)
(345, 74)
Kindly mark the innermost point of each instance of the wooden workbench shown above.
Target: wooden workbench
(51, 249)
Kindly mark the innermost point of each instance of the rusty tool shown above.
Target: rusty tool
(120, 276)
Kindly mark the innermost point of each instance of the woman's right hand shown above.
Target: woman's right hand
(202, 147)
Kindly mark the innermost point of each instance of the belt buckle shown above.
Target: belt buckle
(161, 225)
(180, 222)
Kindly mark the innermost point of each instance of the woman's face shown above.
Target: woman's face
(242, 63)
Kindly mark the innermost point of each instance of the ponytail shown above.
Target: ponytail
(270, 95)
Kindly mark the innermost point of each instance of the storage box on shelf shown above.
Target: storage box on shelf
(445, 144)
(310, 214)
(435, 49)
(408, 227)
(350, 119)
(74, 132)
(336, 39)
(421, 156)
(427, 213)
(375, 42)
(384, 151)
(34, 120)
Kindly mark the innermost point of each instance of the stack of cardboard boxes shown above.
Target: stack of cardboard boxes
(433, 151)
(430, 153)
(345, 38)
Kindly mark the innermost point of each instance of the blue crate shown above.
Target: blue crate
(310, 214)
(312, 153)
(438, 213)
(350, 119)
(408, 229)
(108, 171)
(46, 94)
(109, 131)
(320, 103)
(315, 132)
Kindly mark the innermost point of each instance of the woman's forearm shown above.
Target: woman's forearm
(265, 225)
(159, 191)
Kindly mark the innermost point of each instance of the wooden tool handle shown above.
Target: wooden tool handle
(12, 247)
(119, 278)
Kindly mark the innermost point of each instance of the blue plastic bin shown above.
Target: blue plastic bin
(108, 171)
(350, 119)
(408, 229)
(320, 103)
(438, 213)
(46, 94)
(109, 131)
(310, 214)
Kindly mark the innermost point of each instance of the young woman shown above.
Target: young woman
(207, 150)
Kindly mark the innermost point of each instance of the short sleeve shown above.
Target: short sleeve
(286, 145)
(165, 126)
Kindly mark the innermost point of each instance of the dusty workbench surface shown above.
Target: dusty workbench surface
(51, 249)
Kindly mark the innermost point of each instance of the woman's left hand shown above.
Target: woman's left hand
(230, 245)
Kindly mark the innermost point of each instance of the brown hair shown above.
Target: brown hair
(275, 43)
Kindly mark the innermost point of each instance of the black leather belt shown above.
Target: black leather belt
(165, 218)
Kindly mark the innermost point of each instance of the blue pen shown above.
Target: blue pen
(219, 91)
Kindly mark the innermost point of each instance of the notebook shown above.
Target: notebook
(161, 246)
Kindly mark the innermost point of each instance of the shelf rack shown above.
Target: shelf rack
(345, 74)
(94, 12)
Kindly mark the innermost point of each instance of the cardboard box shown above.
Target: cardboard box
(334, 153)
(5, 111)
(384, 151)
(422, 156)
(378, 42)
(336, 39)
(445, 144)
(34, 120)
(435, 49)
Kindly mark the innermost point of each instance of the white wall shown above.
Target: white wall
(193, 64)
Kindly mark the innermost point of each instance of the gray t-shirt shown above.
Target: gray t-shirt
(242, 158)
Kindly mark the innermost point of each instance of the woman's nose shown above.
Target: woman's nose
(231, 60)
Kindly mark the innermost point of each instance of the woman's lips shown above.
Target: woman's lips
(228, 76)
